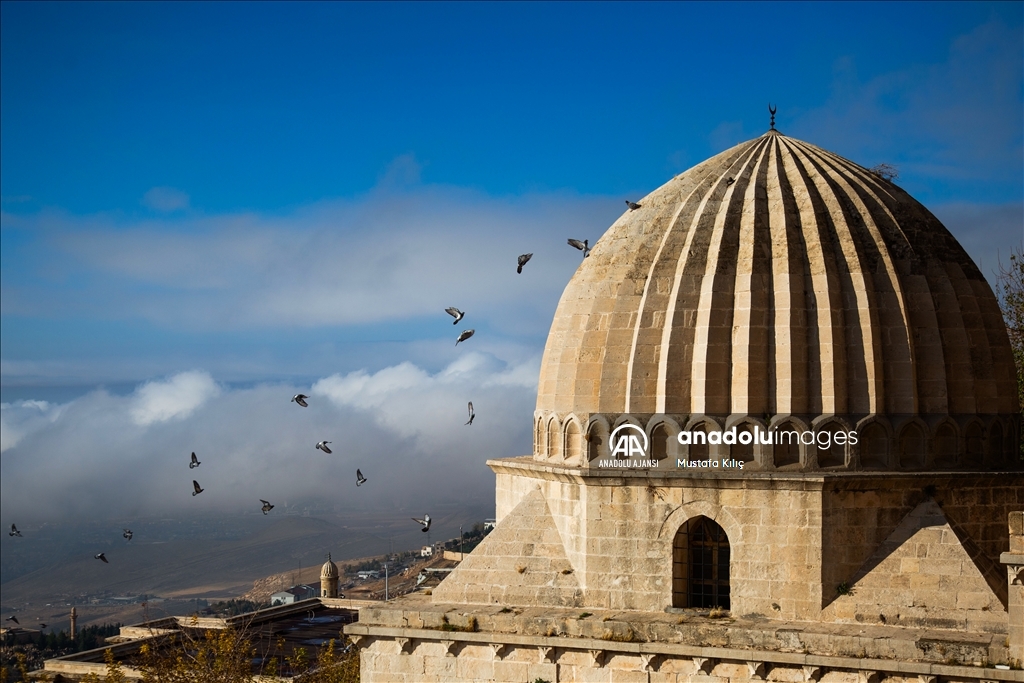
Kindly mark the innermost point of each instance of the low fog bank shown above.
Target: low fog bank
(103, 457)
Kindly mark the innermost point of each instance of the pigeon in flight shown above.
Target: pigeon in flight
(360, 479)
(466, 334)
(42, 625)
(128, 534)
(583, 246)
(425, 522)
(633, 206)
(101, 556)
(14, 531)
(455, 313)
(523, 258)
(267, 507)
(195, 462)
(197, 487)
(301, 400)
(323, 446)
(472, 414)
(730, 181)
(14, 619)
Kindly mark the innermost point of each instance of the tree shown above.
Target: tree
(1011, 301)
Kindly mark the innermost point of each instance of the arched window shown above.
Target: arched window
(595, 440)
(945, 447)
(700, 565)
(553, 450)
(539, 438)
(659, 442)
(874, 447)
(912, 447)
(834, 453)
(995, 445)
(699, 444)
(786, 450)
(744, 452)
(975, 439)
(572, 441)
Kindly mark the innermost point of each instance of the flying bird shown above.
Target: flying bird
(14, 531)
(730, 181)
(360, 479)
(455, 313)
(466, 334)
(523, 258)
(42, 625)
(101, 556)
(267, 507)
(301, 400)
(583, 246)
(195, 462)
(323, 446)
(425, 522)
(128, 534)
(197, 487)
(472, 414)
(633, 206)
(14, 619)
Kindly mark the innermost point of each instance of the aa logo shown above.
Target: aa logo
(626, 444)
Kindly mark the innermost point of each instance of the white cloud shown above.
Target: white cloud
(109, 456)
(177, 397)
(21, 418)
(392, 255)
(165, 199)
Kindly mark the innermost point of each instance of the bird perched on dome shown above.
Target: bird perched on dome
(101, 556)
(633, 206)
(127, 533)
(323, 447)
(455, 313)
(583, 246)
(301, 400)
(425, 522)
(523, 258)
(472, 413)
(360, 479)
(14, 531)
(466, 334)
(195, 462)
(267, 507)
(730, 181)
(197, 487)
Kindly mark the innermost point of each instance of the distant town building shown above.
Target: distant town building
(293, 594)
(427, 551)
(488, 524)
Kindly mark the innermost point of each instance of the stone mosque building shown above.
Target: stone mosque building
(774, 289)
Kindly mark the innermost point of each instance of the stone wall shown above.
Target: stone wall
(795, 539)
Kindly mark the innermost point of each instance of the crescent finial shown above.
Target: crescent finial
(772, 110)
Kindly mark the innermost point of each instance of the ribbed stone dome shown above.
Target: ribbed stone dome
(329, 570)
(779, 281)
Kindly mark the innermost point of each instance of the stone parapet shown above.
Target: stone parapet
(422, 655)
(682, 633)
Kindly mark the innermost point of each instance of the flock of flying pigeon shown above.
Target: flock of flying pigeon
(300, 399)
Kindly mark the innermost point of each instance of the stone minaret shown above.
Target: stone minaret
(329, 579)
(74, 622)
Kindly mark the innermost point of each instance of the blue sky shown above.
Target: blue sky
(200, 201)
